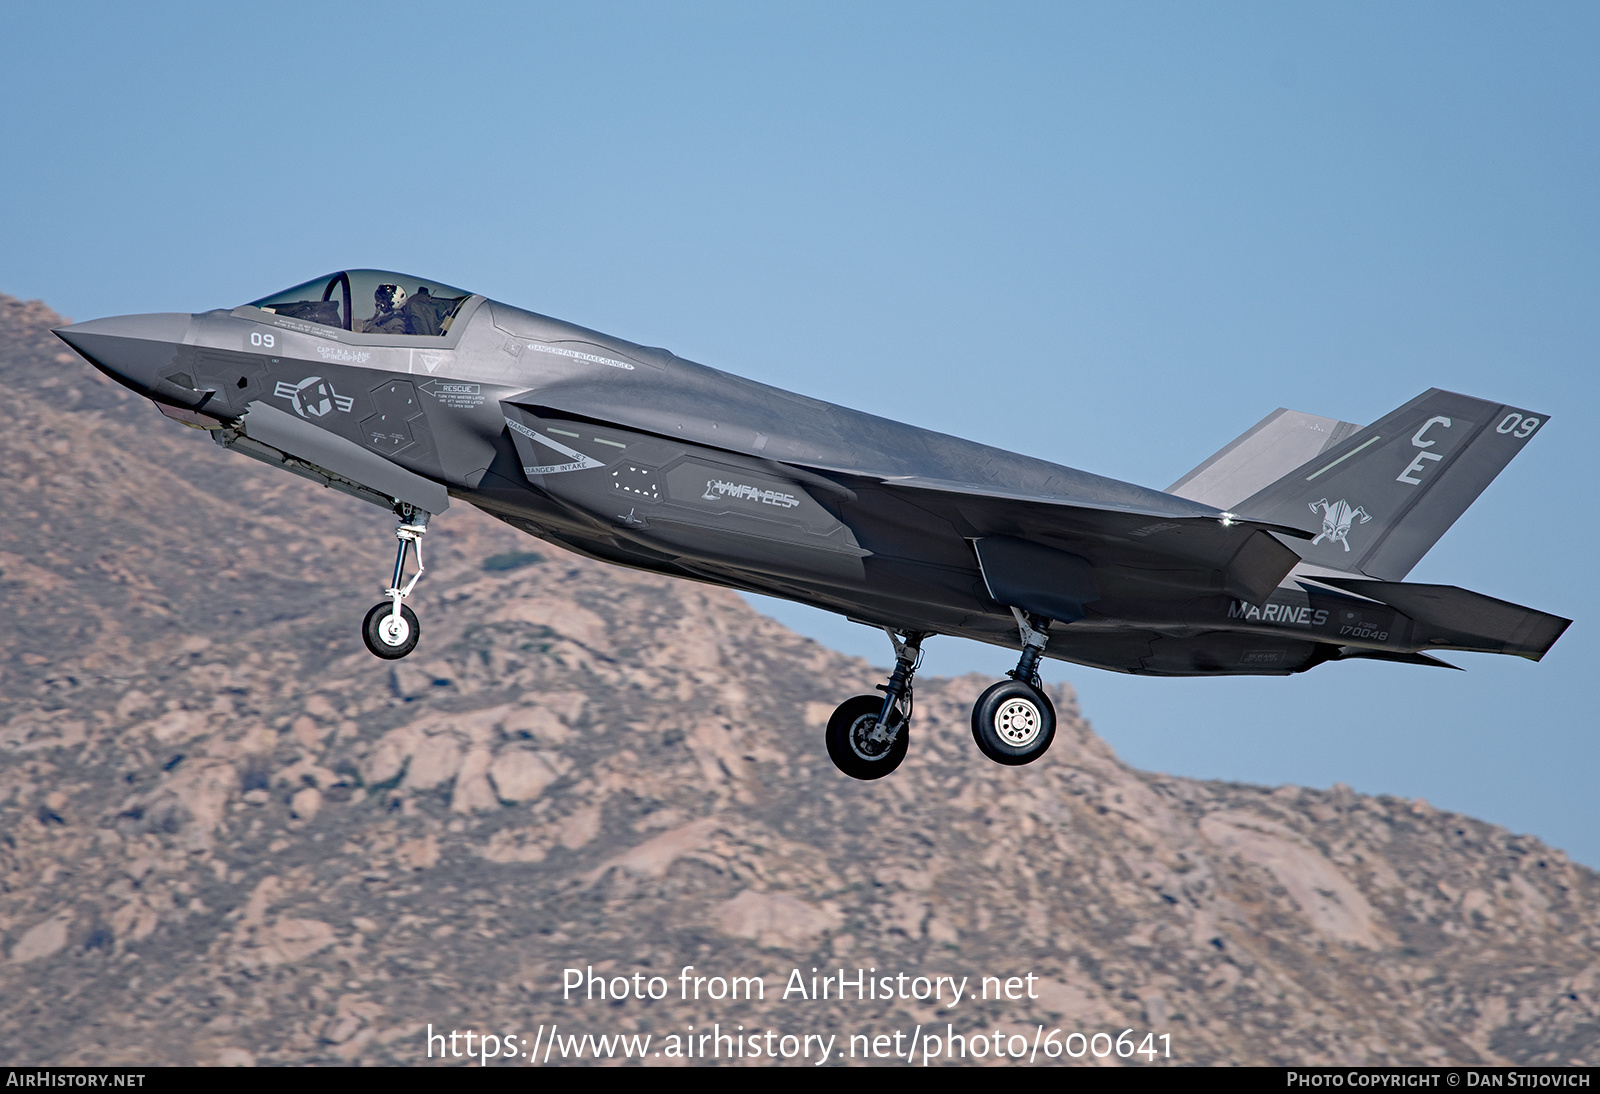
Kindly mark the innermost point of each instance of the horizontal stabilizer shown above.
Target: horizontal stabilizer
(1449, 618)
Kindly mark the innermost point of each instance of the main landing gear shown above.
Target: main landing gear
(1014, 722)
(868, 736)
(391, 629)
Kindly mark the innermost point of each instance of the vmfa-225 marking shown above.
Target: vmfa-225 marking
(1286, 549)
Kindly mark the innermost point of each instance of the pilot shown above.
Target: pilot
(387, 318)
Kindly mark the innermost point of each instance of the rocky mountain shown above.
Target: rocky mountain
(229, 834)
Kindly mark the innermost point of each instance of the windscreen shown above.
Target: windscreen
(371, 302)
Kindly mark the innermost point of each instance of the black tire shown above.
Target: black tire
(853, 745)
(376, 633)
(1013, 723)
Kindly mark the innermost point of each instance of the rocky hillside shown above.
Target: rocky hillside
(229, 834)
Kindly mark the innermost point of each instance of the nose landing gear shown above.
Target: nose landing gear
(390, 629)
(867, 737)
(1013, 722)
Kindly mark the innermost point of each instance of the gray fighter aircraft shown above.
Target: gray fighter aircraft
(1286, 549)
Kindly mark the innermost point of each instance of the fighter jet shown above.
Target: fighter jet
(1286, 549)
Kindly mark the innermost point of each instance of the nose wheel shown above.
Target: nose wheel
(1014, 722)
(390, 629)
(867, 736)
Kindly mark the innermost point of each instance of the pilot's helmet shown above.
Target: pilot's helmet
(390, 297)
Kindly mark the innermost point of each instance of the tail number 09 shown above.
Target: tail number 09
(1518, 426)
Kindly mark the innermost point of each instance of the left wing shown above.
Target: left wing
(1187, 544)
(1141, 537)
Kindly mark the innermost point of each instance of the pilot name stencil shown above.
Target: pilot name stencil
(716, 489)
(313, 397)
(343, 355)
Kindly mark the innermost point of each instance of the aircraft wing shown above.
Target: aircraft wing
(1192, 544)
(1240, 557)
(1139, 515)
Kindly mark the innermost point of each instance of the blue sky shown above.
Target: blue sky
(1110, 235)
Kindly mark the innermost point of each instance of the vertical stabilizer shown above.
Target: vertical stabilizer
(1381, 497)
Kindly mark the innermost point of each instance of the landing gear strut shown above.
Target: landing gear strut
(1014, 722)
(391, 629)
(867, 736)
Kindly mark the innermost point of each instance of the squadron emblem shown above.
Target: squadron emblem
(313, 397)
(1337, 516)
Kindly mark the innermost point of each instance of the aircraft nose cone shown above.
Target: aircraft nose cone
(138, 351)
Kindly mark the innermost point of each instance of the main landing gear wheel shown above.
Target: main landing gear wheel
(859, 745)
(868, 736)
(388, 637)
(1013, 723)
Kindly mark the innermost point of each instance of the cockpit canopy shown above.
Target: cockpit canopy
(371, 302)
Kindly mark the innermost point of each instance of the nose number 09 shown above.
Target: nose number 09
(263, 339)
